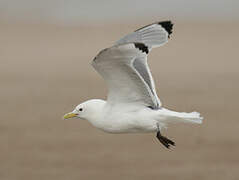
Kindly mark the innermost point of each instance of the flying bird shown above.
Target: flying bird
(132, 104)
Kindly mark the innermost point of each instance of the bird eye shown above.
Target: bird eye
(80, 109)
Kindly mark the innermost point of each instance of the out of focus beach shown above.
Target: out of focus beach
(45, 71)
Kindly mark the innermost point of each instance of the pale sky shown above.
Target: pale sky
(78, 11)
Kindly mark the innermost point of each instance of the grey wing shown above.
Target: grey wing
(141, 65)
(125, 71)
(153, 35)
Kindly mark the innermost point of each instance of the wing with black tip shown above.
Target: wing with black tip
(124, 66)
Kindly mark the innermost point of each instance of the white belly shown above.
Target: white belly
(128, 122)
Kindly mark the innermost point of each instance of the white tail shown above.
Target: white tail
(193, 117)
(172, 116)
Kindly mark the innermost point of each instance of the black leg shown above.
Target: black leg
(165, 141)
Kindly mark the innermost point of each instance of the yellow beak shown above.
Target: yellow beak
(70, 115)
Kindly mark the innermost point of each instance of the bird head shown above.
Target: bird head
(86, 110)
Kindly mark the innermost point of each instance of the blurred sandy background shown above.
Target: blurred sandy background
(45, 55)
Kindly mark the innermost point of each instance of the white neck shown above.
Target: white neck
(95, 113)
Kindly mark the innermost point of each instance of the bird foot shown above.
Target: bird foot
(165, 141)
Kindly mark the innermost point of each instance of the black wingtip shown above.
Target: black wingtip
(167, 25)
(142, 47)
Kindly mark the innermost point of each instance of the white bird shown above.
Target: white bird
(132, 104)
